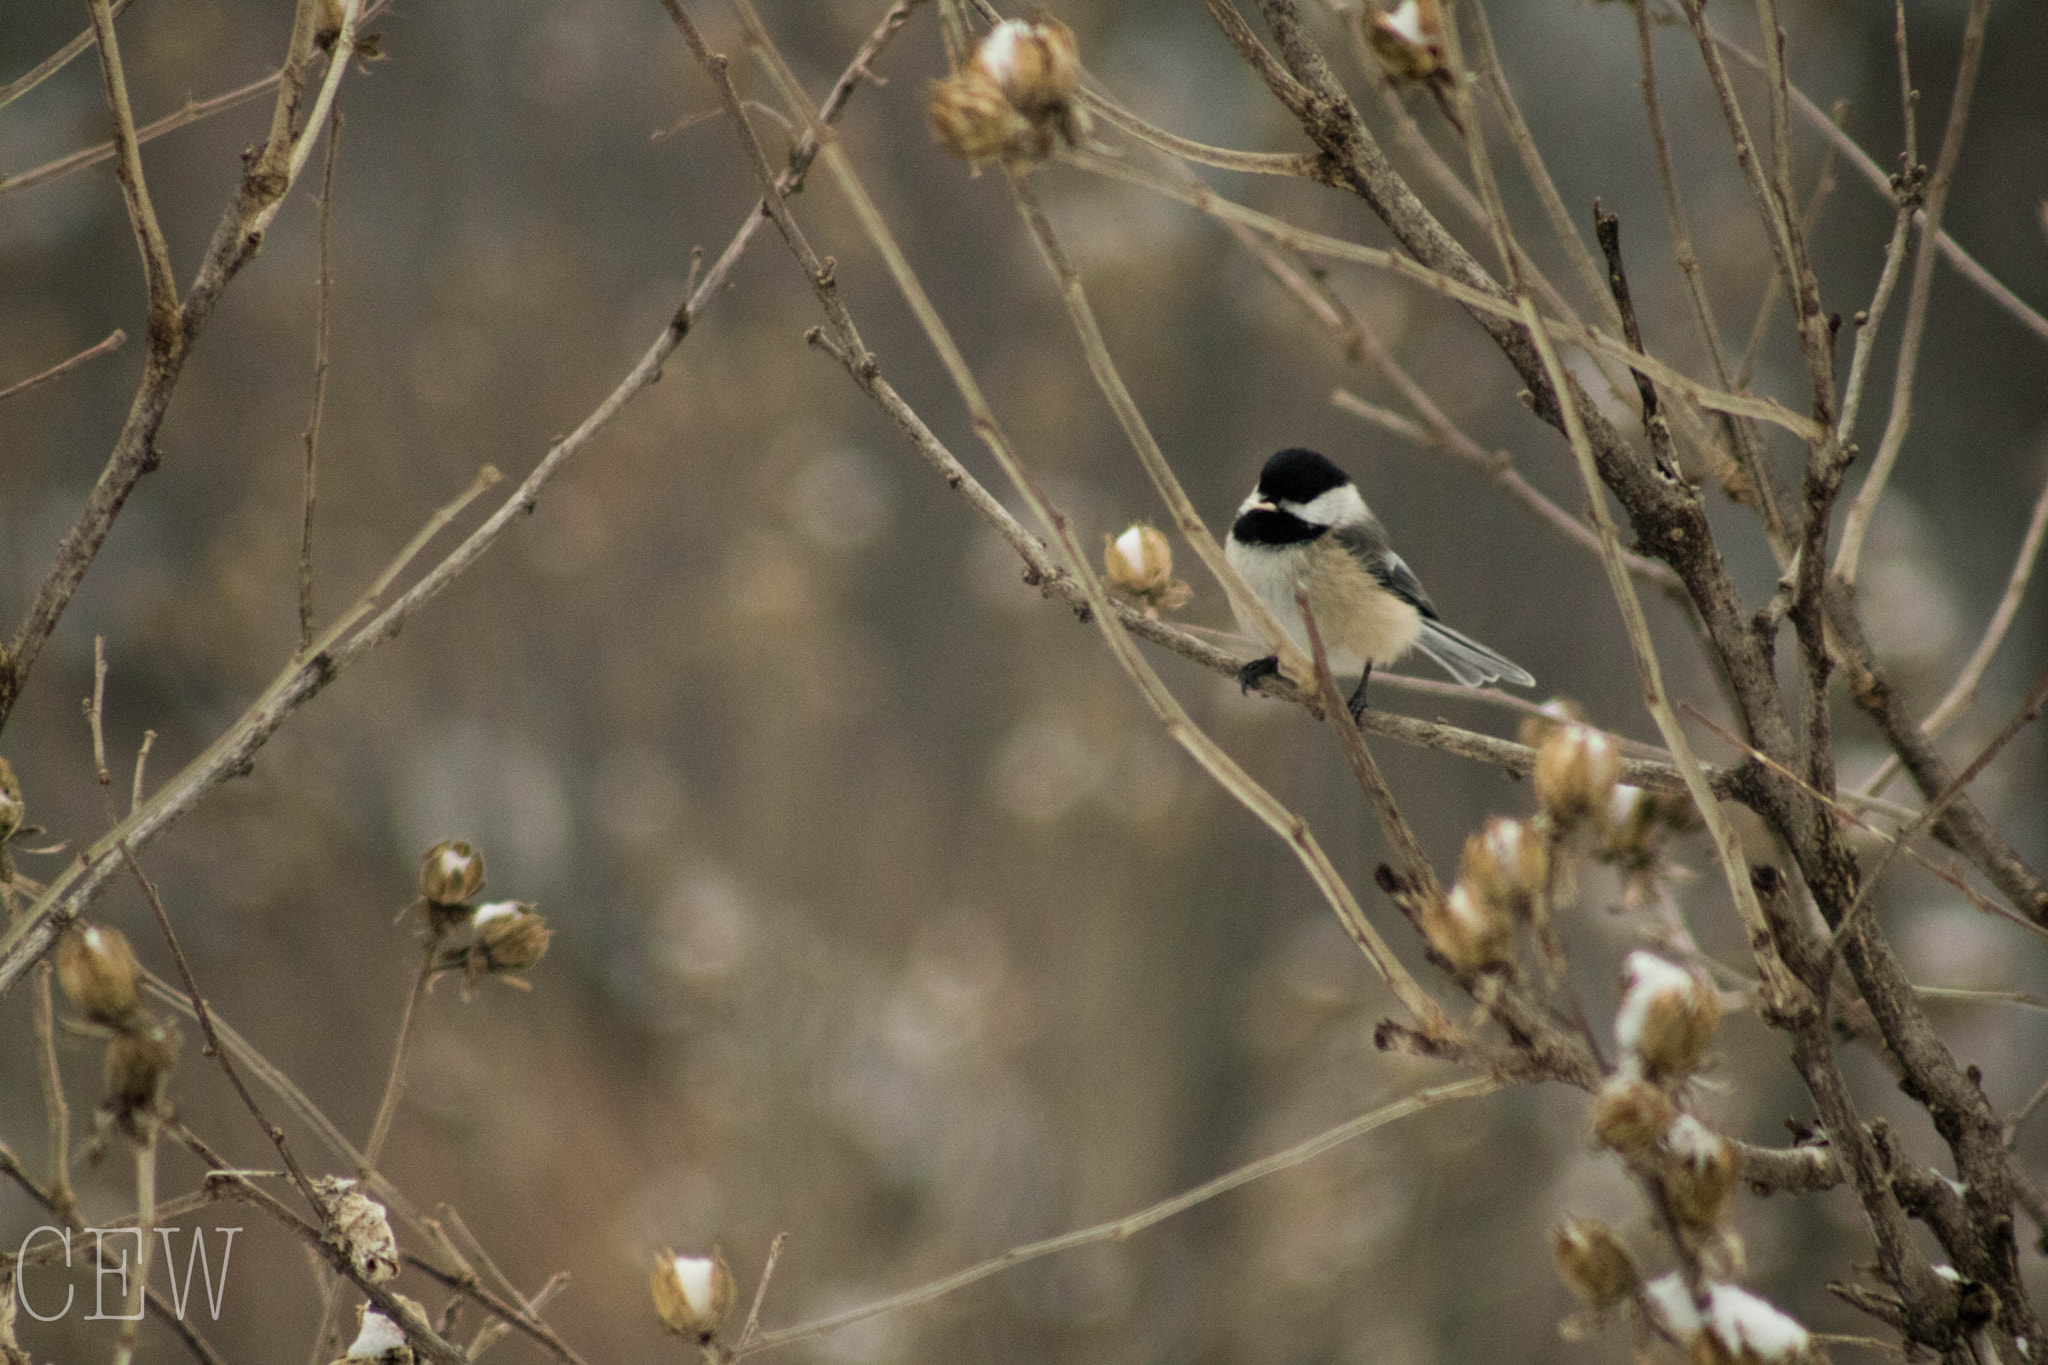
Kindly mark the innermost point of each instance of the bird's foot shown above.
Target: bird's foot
(1257, 671)
(1356, 706)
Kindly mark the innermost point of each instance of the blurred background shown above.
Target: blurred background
(886, 914)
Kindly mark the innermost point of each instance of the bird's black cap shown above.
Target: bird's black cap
(1299, 476)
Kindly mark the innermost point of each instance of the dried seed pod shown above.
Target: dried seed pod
(12, 807)
(1034, 62)
(510, 937)
(1667, 1017)
(972, 117)
(1575, 774)
(1468, 930)
(1593, 1262)
(98, 972)
(363, 1226)
(140, 1059)
(1140, 563)
(693, 1294)
(1408, 39)
(1700, 1175)
(1557, 713)
(1631, 1116)
(1505, 863)
(451, 873)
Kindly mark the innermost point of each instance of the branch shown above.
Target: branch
(1858, 522)
(1129, 1226)
(63, 367)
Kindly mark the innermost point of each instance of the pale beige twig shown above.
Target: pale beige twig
(1857, 523)
(1591, 338)
(1965, 264)
(55, 62)
(166, 327)
(323, 288)
(1126, 1227)
(55, 1108)
(1749, 451)
(1907, 194)
(63, 367)
(1963, 690)
(1223, 158)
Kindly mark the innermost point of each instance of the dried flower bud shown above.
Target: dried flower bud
(1467, 929)
(972, 117)
(1575, 774)
(98, 972)
(693, 1294)
(1631, 1116)
(139, 1062)
(1557, 713)
(1505, 864)
(451, 873)
(1140, 563)
(379, 1339)
(1034, 62)
(363, 1226)
(1667, 1017)
(1408, 39)
(1593, 1262)
(510, 937)
(12, 807)
(1701, 1173)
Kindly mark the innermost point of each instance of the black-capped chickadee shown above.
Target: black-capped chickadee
(1306, 528)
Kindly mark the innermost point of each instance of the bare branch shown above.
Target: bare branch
(63, 367)
(1133, 1224)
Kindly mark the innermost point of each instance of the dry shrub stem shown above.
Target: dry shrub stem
(1131, 1225)
(112, 343)
(1936, 199)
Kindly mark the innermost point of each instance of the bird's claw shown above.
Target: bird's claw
(1257, 671)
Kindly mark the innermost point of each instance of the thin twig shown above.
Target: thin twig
(323, 288)
(1335, 248)
(141, 765)
(1748, 450)
(1965, 264)
(63, 367)
(753, 1327)
(380, 1127)
(1963, 690)
(1129, 1226)
(1223, 158)
(166, 326)
(2030, 711)
(213, 1046)
(1857, 523)
(1907, 191)
(58, 1112)
(1982, 902)
(145, 1220)
(55, 62)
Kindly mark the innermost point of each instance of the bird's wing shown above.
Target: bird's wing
(1367, 543)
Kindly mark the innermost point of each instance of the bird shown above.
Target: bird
(1306, 528)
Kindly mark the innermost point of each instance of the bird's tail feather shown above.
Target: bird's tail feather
(1465, 659)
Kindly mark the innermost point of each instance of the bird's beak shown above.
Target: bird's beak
(1255, 503)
